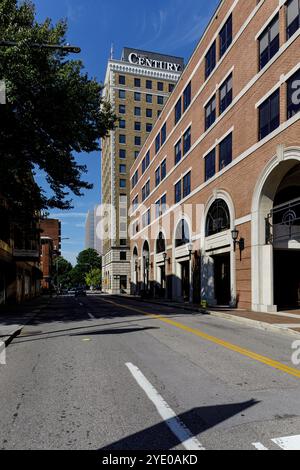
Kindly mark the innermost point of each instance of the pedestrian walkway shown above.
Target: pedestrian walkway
(14, 317)
(288, 321)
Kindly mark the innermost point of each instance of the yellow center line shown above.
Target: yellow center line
(225, 344)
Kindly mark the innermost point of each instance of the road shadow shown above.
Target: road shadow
(198, 420)
(114, 331)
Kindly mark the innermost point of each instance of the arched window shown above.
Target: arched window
(160, 243)
(135, 252)
(218, 218)
(182, 234)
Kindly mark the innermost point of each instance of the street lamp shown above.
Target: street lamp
(240, 242)
(58, 47)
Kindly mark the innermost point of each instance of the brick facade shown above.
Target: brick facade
(247, 184)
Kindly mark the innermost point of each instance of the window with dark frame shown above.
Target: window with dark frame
(122, 80)
(160, 86)
(149, 84)
(163, 136)
(210, 165)
(269, 115)
(163, 169)
(226, 36)
(225, 152)
(187, 97)
(269, 42)
(177, 189)
(178, 153)
(226, 94)
(187, 184)
(292, 17)
(137, 82)
(178, 111)
(210, 113)
(187, 141)
(157, 176)
(157, 143)
(210, 60)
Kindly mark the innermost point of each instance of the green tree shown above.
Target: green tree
(93, 278)
(89, 259)
(53, 112)
(61, 271)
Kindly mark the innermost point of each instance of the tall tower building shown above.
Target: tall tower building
(137, 86)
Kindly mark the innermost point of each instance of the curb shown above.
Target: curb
(260, 325)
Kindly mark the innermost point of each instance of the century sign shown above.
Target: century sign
(145, 61)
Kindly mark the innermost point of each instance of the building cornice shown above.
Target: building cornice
(125, 67)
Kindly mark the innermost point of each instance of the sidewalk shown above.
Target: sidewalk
(288, 322)
(13, 318)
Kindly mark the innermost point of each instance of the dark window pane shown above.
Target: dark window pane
(210, 60)
(269, 115)
(178, 111)
(210, 113)
(187, 96)
(178, 152)
(226, 36)
(186, 185)
(292, 17)
(178, 191)
(269, 42)
(210, 165)
(226, 94)
(225, 152)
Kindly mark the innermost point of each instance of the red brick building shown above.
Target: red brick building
(50, 248)
(216, 213)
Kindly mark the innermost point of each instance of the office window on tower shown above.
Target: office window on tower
(210, 60)
(292, 17)
(226, 36)
(269, 115)
(210, 113)
(269, 42)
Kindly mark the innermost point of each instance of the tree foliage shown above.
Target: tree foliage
(93, 278)
(53, 111)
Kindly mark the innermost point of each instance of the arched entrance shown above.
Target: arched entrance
(218, 254)
(276, 235)
(183, 282)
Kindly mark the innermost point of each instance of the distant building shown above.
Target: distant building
(137, 86)
(93, 230)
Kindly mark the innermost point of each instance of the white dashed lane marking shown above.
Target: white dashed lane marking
(170, 418)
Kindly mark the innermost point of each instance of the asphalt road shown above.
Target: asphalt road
(108, 373)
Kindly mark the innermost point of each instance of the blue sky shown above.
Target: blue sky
(168, 26)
